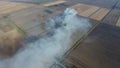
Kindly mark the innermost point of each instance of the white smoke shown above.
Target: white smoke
(43, 52)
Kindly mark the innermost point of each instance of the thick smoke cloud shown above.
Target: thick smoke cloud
(43, 52)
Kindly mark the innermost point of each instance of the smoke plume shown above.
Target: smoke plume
(43, 52)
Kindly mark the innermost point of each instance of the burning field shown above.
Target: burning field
(58, 39)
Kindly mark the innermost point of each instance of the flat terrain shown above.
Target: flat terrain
(23, 14)
(99, 50)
